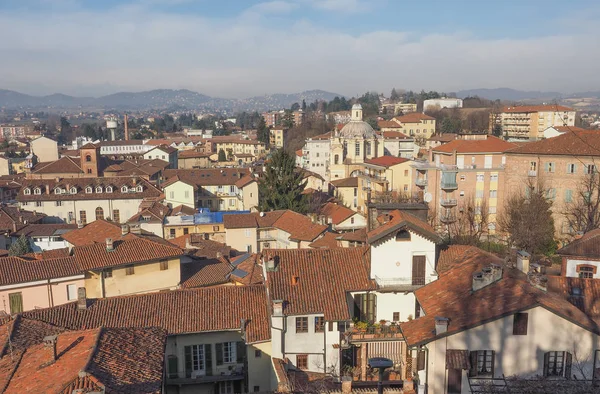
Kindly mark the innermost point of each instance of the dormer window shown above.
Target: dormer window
(124, 189)
(98, 189)
(73, 190)
(27, 191)
(37, 191)
(109, 189)
(140, 188)
(402, 236)
(88, 189)
(57, 190)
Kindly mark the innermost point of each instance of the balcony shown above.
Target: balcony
(449, 185)
(532, 173)
(197, 377)
(377, 332)
(448, 202)
(402, 284)
(421, 182)
(448, 218)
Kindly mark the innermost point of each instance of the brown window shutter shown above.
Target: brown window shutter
(208, 359)
(219, 350)
(520, 323)
(188, 361)
(240, 352)
(568, 365)
(473, 366)
(421, 360)
(546, 361)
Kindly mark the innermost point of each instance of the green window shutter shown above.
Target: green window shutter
(240, 351)
(188, 361)
(219, 350)
(568, 195)
(208, 359)
(172, 366)
(16, 303)
(473, 362)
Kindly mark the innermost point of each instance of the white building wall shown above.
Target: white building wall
(317, 159)
(388, 303)
(359, 222)
(39, 244)
(60, 213)
(443, 103)
(572, 267)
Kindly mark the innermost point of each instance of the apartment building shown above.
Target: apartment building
(10, 132)
(205, 223)
(227, 189)
(399, 144)
(165, 153)
(416, 125)
(233, 145)
(282, 229)
(277, 137)
(443, 102)
(83, 200)
(190, 159)
(46, 149)
(464, 172)
(123, 148)
(272, 118)
(528, 122)
(315, 154)
(560, 164)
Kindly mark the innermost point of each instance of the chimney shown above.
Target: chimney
(47, 189)
(79, 224)
(441, 325)
(278, 308)
(109, 245)
(126, 128)
(486, 276)
(81, 299)
(270, 265)
(295, 280)
(523, 261)
(346, 385)
(124, 229)
(50, 344)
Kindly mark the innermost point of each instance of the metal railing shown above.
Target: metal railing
(403, 281)
(448, 202)
(449, 185)
(421, 182)
(532, 173)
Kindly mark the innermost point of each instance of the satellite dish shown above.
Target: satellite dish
(427, 197)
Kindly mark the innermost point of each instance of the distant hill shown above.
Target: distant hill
(509, 94)
(161, 99)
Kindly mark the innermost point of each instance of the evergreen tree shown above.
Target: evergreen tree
(287, 121)
(394, 96)
(20, 247)
(222, 156)
(303, 105)
(263, 132)
(282, 185)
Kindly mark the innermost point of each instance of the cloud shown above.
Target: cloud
(350, 6)
(139, 48)
(273, 7)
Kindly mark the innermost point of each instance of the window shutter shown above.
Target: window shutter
(421, 360)
(358, 306)
(546, 361)
(172, 366)
(240, 351)
(493, 362)
(473, 366)
(568, 364)
(188, 361)
(208, 359)
(237, 386)
(219, 349)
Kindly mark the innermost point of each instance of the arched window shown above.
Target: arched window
(140, 188)
(57, 190)
(109, 189)
(88, 189)
(98, 189)
(336, 159)
(124, 189)
(73, 190)
(402, 235)
(368, 148)
(99, 213)
(37, 191)
(27, 191)
(88, 158)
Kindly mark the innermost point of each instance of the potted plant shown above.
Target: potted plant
(361, 326)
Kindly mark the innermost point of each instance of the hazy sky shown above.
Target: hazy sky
(241, 48)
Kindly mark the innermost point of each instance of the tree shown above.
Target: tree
(471, 222)
(20, 247)
(373, 123)
(303, 105)
(263, 133)
(222, 156)
(394, 96)
(282, 185)
(583, 212)
(527, 219)
(287, 121)
(295, 107)
(497, 130)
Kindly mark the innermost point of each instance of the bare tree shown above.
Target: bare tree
(583, 212)
(471, 222)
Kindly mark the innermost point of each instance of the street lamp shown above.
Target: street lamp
(382, 364)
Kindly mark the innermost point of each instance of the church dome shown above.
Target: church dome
(357, 128)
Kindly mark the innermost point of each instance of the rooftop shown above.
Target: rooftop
(586, 246)
(386, 161)
(413, 117)
(205, 177)
(536, 108)
(345, 182)
(398, 220)
(574, 143)
(489, 145)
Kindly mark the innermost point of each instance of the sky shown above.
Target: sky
(243, 48)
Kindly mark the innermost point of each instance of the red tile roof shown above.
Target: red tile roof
(403, 220)
(299, 227)
(355, 236)
(574, 143)
(96, 256)
(95, 232)
(156, 213)
(586, 246)
(64, 165)
(489, 145)
(15, 270)
(536, 108)
(338, 213)
(164, 148)
(345, 182)
(323, 279)
(206, 309)
(183, 210)
(44, 230)
(452, 255)
(13, 218)
(388, 124)
(386, 161)
(413, 117)
(203, 273)
(394, 135)
(327, 241)
(192, 154)
(197, 246)
(205, 176)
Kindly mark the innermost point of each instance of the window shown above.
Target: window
(494, 178)
(109, 189)
(186, 231)
(355, 192)
(571, 168)
(198, 357)
(257, 353)
(83, 217)
(71, 292)
(73, 190)
(129, 270)
(171, 195)
(39, 203)
(590, 169)
(493, 193)
(57, 190)
(249, 248)
(229, 352)
(462, 193)
(107, 273)
(532, 165)
(352, 220)
(557, 364)
(27, 191)
(463, 178)
(37, 191)
(396, 316)
(58, 203)
(319, 324)
(520, 323)
(482, 363)
(336, 159)
(256, 389)
(247, 233)
(139, 189)
(88, 189)
(215, 228)
(232, 189)
(99, 213)
(585, 272)
(302, 361)
(231, 202)
(368, 148)
(551, 194)
(116, 216)
(16, 303)
(568, 195)
(172, 233)
(492, 210)
(301, 324)
(357, 149)
(164, 265)
(403, 235)
(88, 158)
(479, 193)
(98, 189)
(480, 177)
(124, 189)
(405, 172)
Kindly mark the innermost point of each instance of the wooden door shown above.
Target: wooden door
(454, 381)
(16, 303)
(418, 270)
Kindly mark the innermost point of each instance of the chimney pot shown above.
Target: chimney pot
(109, 245)
(523, 259)
(278, 308)
(81, 299)
(441, 325)
(124, 229)
(50, 343)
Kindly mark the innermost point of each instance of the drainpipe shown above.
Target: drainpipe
(325, 346)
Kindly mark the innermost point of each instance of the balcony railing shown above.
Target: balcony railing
(403, 283)
(421, 182)
(449, 185)
(448, 202)
(375, 333)
(205, 379)
(448, 218)
(532, 173)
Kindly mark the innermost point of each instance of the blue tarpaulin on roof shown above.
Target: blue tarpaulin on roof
(206, 216)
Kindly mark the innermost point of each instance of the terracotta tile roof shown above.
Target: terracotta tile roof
(452, 255)
(322, 279)
(490, 145)
(44, 230)
(24, 333)
(299, 227)
(206, 176)
(307, 174)
(574, 143)
(15, 270)
(64, 165)
(89, 145)
(443, 137)
(192, 154)
(451, 296)
(586, 246)
(324, 136)
(247, 270)
(251, 220)
(156, 213)
(48, 254)
(182, 210)
(338, 213)
(355, 236)
(399, 220)
(13, 218)
(536, 108)
(299, 153)
(164, 148)
(95, 232)
(345, 182)
(586, 300)
(120, 143)
(196, 245)
(388, 124)
(394, 135)
(327, 241)
(413, 117)
(95, 256)
(203, 273)
(207, 309)
(386, 161)
(148, 190)
(245, 181)
(566, 129)
(113, 360)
